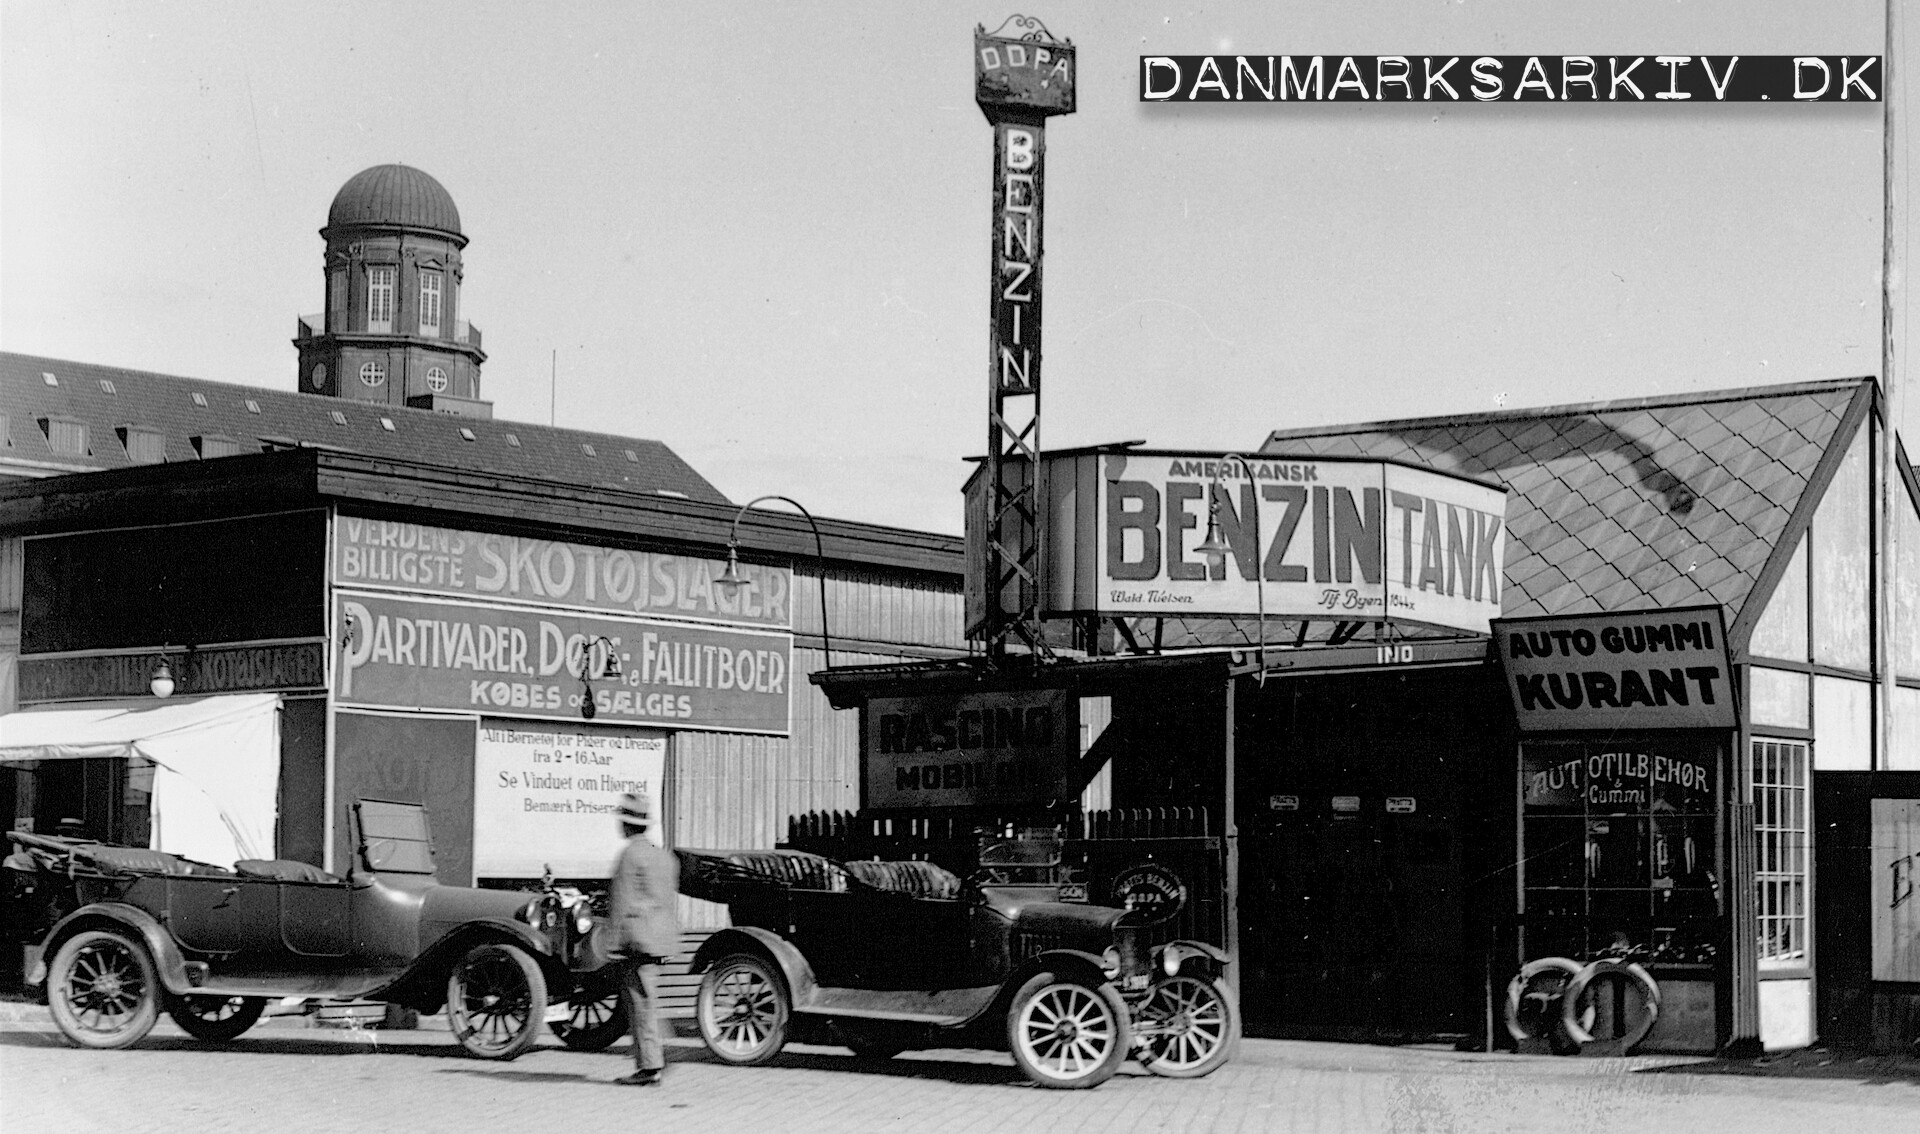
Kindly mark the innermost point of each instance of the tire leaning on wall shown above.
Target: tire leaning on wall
(1577, 1022)
(1541, 982)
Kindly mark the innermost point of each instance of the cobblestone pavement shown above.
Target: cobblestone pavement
(288, 1076)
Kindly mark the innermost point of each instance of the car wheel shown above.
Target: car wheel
(743, 1010)
(496, 1001)
(1187, 1028)
(102, 990)
(216, 1019)
(595, 1018)
(1067, 1033)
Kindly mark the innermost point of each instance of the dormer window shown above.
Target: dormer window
(213, 445)
(380, 298)
(200, 400)
(513, 439)
(339, 418)
(430, 303)
(65, 436)
(106, 386)
(587, 449)
(144, 444)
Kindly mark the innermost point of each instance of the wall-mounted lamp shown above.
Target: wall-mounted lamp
(1214, 550)
(610, 669)
(161, 684)
(731, 579)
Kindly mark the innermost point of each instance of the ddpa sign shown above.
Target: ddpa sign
(1648, 669)
(971, 749)
(1332, 539)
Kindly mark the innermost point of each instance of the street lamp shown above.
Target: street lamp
(731, 579)
(610, 669)
(1214, 550)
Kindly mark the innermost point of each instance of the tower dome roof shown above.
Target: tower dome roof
(394, 195)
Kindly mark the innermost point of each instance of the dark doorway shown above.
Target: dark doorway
(1376, 828)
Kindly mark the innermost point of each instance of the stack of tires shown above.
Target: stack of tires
(1558, 1005)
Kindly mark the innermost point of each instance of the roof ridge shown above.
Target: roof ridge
(1618, 405)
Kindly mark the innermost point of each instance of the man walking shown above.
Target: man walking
(646, 930)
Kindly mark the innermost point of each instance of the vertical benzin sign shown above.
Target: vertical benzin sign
(1022, 75)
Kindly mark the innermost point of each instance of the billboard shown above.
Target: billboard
(971, 749)
(424, 559)
(436, 654)
(1644, 669)
(546, 796)
(1896, 909)
(1304, 538)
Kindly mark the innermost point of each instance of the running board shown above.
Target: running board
(945, 1008)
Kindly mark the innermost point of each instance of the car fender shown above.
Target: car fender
(168, 962)
(1197, 954)
(422, 985)
(752, 939)
(1076, 963)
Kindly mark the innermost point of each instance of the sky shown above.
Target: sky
(759, 233)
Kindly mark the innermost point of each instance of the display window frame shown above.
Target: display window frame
(1620, 840)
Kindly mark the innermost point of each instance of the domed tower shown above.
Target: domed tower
(392, 330)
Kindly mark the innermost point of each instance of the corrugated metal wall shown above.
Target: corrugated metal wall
(875, 607)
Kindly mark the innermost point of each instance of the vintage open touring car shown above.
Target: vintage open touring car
(125, 933)
(884, 957)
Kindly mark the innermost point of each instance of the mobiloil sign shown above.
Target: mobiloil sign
(1331, 539)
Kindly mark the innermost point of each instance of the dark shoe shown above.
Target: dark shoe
(640, 1079)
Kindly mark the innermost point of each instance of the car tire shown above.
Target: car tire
(1067, 1033)
(743, 1010)
(496, 1001)
(216, 1019)
(597, 1015)
(102, 990)
(1195, 1025)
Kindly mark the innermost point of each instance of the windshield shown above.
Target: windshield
(1031, 856)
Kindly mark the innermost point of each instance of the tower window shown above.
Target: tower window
(380, 298)
(336, 298)
(430, 303)
(373, 374)
(437, 380)
(319, 378)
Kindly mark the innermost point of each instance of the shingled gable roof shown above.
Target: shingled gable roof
(108, 399)
(1626, 505)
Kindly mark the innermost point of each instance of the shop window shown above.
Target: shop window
(380, 298)
(1619, 848)
(1781, 631)
(1780, 822)
(1838, 562)
(1905, 756)
(430, 303)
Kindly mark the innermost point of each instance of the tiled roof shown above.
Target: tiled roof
(108, 400)
(1660, 502)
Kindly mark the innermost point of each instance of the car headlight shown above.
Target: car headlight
(1110, 961)
(531, 915)
(1170, 960)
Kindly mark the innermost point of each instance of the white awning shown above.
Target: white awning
(216, 763)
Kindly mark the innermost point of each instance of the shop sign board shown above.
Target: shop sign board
(1651, 669)
(1023, 72)
(546, 796)
(417, 653)
(211, 669)
(424, 559)
(1627, 779)
(1322, 538)
(971, 749)
(1896, 904)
